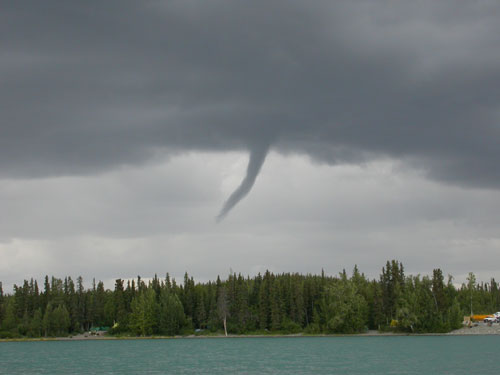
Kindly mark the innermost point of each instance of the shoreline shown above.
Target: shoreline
(481, 330)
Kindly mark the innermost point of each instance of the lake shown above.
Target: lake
(287, 355)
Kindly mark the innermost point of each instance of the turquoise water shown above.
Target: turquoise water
(304, 355)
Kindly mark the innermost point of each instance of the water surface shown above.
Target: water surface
(303, 355)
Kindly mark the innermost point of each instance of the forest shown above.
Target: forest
(267, 303)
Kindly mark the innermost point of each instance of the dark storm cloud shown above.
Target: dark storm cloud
(88, 86)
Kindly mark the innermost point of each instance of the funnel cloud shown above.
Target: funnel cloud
(255, 161)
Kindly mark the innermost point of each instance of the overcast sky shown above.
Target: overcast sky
(140, 137)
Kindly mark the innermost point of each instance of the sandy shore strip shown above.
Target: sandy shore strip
(480, 329)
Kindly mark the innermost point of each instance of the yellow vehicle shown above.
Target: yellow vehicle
(480, 318)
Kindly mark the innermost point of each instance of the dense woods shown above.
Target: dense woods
(268, 303)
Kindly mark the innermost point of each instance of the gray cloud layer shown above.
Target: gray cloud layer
(90, 86)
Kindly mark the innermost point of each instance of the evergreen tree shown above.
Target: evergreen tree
(1, 304)
(72, 304)
(99, 303)
(200, 312)
(119, 305)
(276, 307)
(10, 320)
(81, 306)
(46, 293)
(60, 322)
(377, 311)
(265, 302)
(36, 326)
(48, 321)
(438, 290)
(171, 319)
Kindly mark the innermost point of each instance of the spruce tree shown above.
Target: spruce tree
(1, 304)
(37, 323)
(10, 320)
(119, 305)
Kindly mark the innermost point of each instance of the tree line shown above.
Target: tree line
(274, 303)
